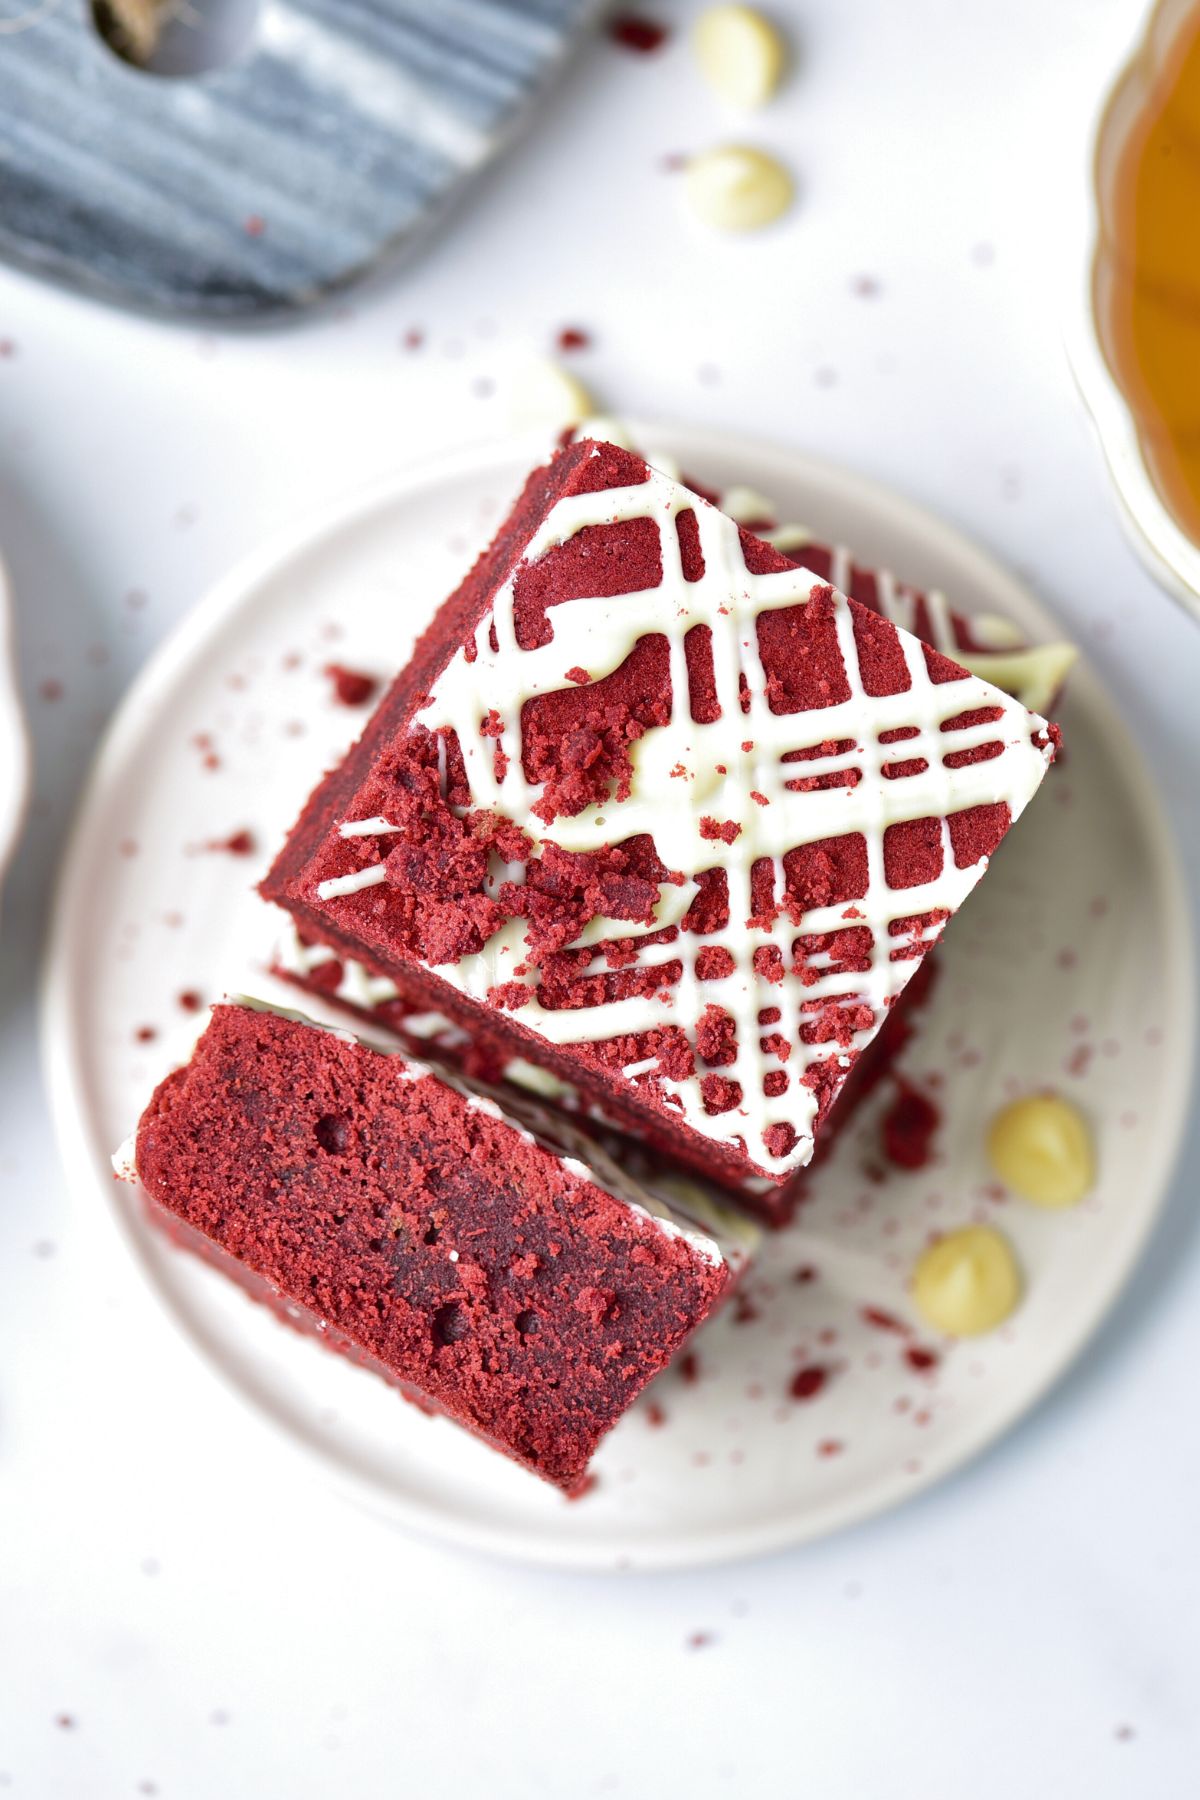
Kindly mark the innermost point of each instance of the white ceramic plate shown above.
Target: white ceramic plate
(14, 745)
(1071, 967)
(1164, 547)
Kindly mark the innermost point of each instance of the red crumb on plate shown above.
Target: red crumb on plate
(908, 1128)
(883, 1321)
(807, 1383)
(240, 843)
(350, 686)
(633, 32)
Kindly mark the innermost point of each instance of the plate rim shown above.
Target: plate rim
(15, 752)
(61, 1046)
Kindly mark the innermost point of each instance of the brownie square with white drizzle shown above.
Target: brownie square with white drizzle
(667, 810)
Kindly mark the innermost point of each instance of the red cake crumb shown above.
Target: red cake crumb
(350, 686)
(807, 1383)
(572, 338)
(917, 1357)
(883, 1321)
(633, 32)
(416, 1230)
(908, 1128)
(239, 843)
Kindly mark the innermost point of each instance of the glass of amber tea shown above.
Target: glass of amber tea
(1137, 355)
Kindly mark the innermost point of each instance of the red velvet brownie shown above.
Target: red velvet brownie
(991, 645)
(668, 814)
(489, 1274)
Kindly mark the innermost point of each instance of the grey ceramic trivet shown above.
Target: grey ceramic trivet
(343, 128)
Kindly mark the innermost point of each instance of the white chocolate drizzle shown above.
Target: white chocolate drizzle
(356, 986)
(353, 884)
(1031, 673)
(735, 773)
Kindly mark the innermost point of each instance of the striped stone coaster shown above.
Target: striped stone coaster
(334, 139)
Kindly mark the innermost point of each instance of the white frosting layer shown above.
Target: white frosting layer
(731, 770)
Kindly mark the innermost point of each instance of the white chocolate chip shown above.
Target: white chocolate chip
(1034, 675)
(995, 632)
(967, 1282)
(736, 188)
(741, 54)
(133, 27)
(544, 394)
(1042, 1149)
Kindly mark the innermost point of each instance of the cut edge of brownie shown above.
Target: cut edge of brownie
(489, 1276)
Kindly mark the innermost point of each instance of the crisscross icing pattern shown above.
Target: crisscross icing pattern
(744, 790)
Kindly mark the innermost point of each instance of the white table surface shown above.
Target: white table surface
(204, 1614)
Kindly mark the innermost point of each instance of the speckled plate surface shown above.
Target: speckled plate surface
(1070, 968)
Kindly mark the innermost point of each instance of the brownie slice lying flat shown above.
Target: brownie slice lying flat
(488, 1274)
(672, 816)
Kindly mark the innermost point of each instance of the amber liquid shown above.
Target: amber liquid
(1148, 286)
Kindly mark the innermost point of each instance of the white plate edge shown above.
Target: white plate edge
(15, 753)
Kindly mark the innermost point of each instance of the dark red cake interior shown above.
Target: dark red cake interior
(436, 1240)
